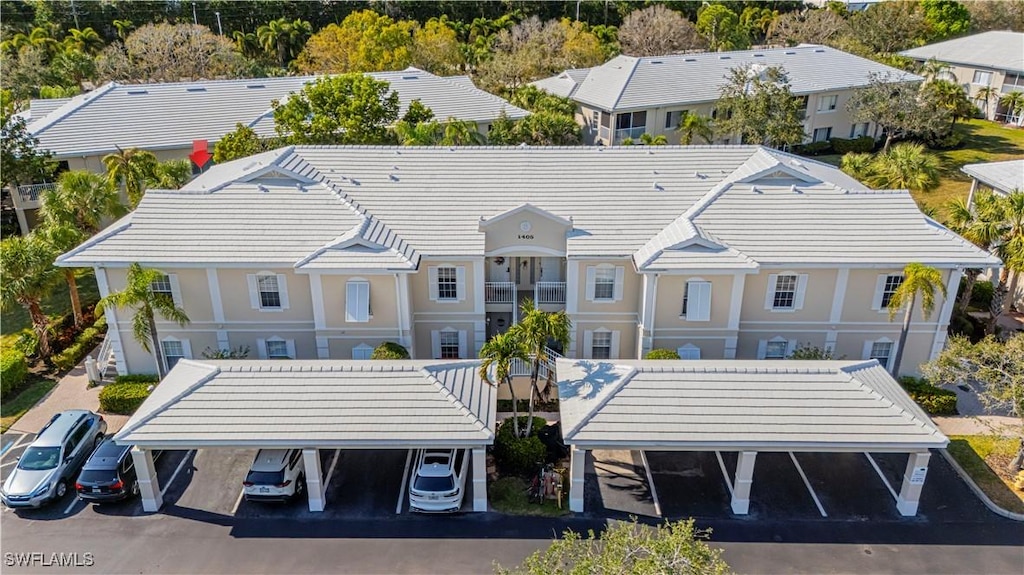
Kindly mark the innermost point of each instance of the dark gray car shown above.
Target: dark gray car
(51, 462)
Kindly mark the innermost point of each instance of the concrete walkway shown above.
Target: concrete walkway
(72, 392)
(979, 425)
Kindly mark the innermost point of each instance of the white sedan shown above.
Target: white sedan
(439, 482)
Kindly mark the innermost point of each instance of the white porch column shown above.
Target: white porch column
(735, 309)
(970, 195)
(952, 286)
(572, 295)
(149, 486)
(113, 330)
(323, 347)
(744, 479)
(479, 480)
(315, 488)
(405, 327)
(576, 478)
(913, 482)
(645, 333)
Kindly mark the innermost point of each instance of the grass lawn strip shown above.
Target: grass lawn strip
(509, 495)
(12, 409)
(57, 304)
(985, 458)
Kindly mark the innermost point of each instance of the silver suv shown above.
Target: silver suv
(50, 462)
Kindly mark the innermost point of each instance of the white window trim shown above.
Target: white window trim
(876, 301)
(362, 348)
(693, 313)
(762, 347)
(869, 344)
(186, 349)
(828, 133)
(828, 97)
(588, 343)
(460, 283)
(798, 296)
(254, 291)
(172, 280)
(362, 314)
(688, 352)
(435, 342)
(617, 283)
(263, 352)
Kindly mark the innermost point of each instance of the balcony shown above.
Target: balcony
(549, 293)
(633, 133)
(521, 368)
(500, 292)
(29, 194)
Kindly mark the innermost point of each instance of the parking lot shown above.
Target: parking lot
(786, 486)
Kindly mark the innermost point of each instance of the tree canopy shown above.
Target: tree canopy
(996, 366)
(756, 102)
(345, 109)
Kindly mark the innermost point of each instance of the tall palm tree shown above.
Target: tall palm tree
(130, 168)
(933, 69)
(82, 199)
(497, 355)
(461, 133)
(29, 276)
(917, 279)
(124, 27)
(247, 44)
(905, 166)
(1007, 213)
(987, 94)
(535, 330)
(138, 295)
(418, 134)
(63, 236)
(86, 41)
(171, 175)
(284, 38)
(947, 95)
(973, 223)
(1014, 104)
(692, 126)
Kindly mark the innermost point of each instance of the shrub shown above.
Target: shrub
(519, 455)
(813, 148)
(136, 378)
(27, 343)
(13, 371)
(123, 398)
(662, 354)
(241, 352)
(934, 400)
(981, 295)
(859, 145)
(390, 350)
(73, 353)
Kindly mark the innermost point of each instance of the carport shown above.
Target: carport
(745, 407)
(314, 405)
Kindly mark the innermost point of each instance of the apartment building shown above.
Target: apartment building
(989, 60)
(715, 251)
(628, 96)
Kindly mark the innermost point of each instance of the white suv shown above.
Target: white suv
(275, 475)
(439, 482)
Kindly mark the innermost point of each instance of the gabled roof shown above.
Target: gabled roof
(766, 405)
(996, 49)
(316, 403)
(632, 83)
(171, 115)
(1002, 176)
(667, 207)
(564, 84)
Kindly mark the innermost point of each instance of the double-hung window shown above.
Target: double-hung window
(982, 78)
(357, 301)
(162, 286)
(277, 349)
(822, 134)
(449, 344)
(447, 283)
(785, 292)
(776, 349)
(269, 291)
(601, 346)
(827, 103)
(173, 351)
(892, 283)
(882, 351)
(604, 284)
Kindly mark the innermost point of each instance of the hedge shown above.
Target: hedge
(813, 148)
(981, 295)
(519, 455)
(136, 378)
(123, 398)
(13, 371)
(662, 354)
(390, 350)
(84, 343)
(934, 400)
(859, 145)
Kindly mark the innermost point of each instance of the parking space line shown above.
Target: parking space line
(177, 470)
(405, 477)
(5, 464)
(725, 474)
(241, 493)
(892, 491)
(650, 483)
(74, 501)
(810, 489)
(15, 444)
(330, 470)
(9, 445)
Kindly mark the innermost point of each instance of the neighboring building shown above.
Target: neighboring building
(166, 118)
(991, 59)
(716, 251)
(629, 96)
(1000, 177)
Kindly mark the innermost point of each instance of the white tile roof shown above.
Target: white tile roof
(632, 83)
(563, 84)
(1003, 176)
(316, 403)
(172, 115)
(385, 207)
(996, 49)
(40, 108)
(734, 404)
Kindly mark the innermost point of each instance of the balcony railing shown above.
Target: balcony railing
(633, 133)
(31, 192)
(523, 368)
(549, 293)
(499, 292)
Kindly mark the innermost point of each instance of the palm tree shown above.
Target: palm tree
(284, 37)
(973, 224)
(933, 69)
(461, 133)
(123, 28)
(62, 236)
(29, 276)
(138, 295)
(947, 95)
(905, 166)
(857, 165)
(1007, 215)
(130, 168)
(171, 175)
(987, 94)
(692, 126)
(649, 140)
(82, 199)
(917, 279)
(247, 44)
(535, 330)
(497, 355)
(418, 134)
(1014, 104)
(86, 41)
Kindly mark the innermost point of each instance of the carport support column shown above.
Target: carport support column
(576, 471)
(314, 479)
(913, 482)
(479, 480)
(149, 487)
(744, 479)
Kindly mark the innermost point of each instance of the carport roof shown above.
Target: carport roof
(740, 405)
(316, 403)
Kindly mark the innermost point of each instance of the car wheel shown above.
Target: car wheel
(98, 441)
(300, 486)
(135, 488)
(62, 489)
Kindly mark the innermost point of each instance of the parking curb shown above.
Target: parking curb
(978, 491)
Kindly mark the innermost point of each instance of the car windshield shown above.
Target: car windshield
(265, 477)
(39, 458)
(434, 483)
(98, 476)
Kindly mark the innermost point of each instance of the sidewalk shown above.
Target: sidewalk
(979, 425)
(72, 392)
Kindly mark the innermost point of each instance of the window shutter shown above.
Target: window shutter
(462, 344)
(867, 349)
(591, 278)
(460, 285)
(357, 301)
(801, 289)
(790, 347)
(282, 288)
(186, 348)
(762, 348)
(614, 352)
(876, 303)
(619, 280)
(435, 344)
(588, 344)
(254, 293)
(261, 348)
(290, 345)
(698, 305)
(432, 287)
(769, 297)
(175, 289)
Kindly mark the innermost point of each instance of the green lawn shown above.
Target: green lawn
(984, 458)
(509, 495)
(15, 320)
(12, 409)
